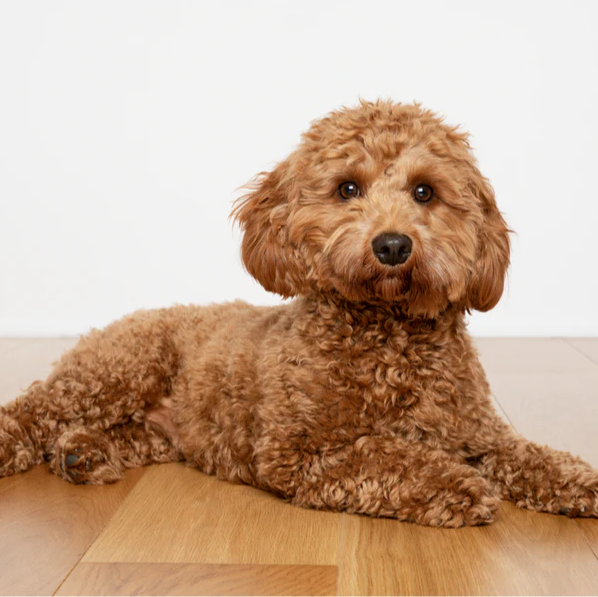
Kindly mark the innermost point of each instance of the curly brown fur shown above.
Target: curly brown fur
(363, 394)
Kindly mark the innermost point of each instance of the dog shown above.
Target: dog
(364, 394)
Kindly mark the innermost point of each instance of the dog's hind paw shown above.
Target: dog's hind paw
(17, 450)
(86, 456)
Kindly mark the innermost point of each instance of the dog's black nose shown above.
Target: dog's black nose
(392, 249)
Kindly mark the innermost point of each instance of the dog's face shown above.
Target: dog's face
(382, 202)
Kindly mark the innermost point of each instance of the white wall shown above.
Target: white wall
(125, 127)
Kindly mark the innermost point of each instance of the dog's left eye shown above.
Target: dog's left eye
(348, 190)
(423, 193)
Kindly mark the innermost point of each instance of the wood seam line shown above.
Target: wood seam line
(577, 521)
(589, 358)
(98, 534)
(341, 526)
(502, 408)
(193, 563)
(71, 570)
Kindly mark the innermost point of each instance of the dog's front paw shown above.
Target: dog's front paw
(86, 456)
(573, 495)
(470, 502)
(583, 502)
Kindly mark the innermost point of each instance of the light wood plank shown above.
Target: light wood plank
(198, 579)
(530, 355)
(522, 553)
(587, 346)
(548, 391)
(176, 514)
(24, 361)
(7, 345)
(47, 525)
(558, 410)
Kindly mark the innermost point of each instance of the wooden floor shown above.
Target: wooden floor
(171, 530)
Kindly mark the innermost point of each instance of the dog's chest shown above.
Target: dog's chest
(380, 378)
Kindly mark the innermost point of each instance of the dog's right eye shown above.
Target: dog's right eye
(348, 190)
(423, 193)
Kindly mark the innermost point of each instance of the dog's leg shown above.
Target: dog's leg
(112, 377)
(385, 477)
(83, 455)
(21, 434)
(542, 479)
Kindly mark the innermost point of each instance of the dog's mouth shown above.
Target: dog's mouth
(408, 286)
(387, 285)
(391, 286)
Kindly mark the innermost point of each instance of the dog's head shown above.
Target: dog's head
(383, 202)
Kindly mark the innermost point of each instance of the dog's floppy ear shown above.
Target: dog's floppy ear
(262, 215)
(488, 278)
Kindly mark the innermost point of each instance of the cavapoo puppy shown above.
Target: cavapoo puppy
(364, 393)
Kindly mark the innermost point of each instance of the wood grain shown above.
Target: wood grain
(522, 553)
(47, 525)
(177, 514)
(178, 531)
(199, 579)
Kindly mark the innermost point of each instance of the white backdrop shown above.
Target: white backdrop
(126, 126)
